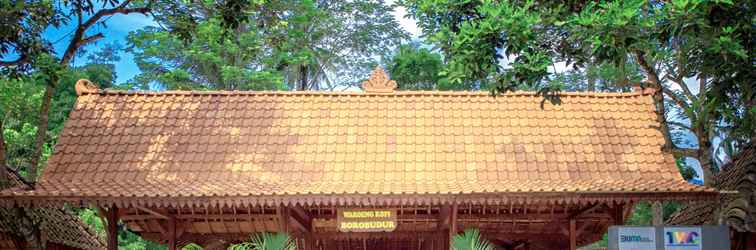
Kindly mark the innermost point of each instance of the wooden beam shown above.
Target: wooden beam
(573, 235)
(163, 228)
(554, 236)
(171, 235)
(582, 228)
(309, 241)
(524, 217)
(618, 214)
(161, 215)
(301, 218)
(453, 221)
(181, 228)
(395, 235)
(112, 227)
(443, 217)
(584, 210)
(245, 217)
(282, 213)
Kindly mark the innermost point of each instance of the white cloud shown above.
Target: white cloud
(409, 24)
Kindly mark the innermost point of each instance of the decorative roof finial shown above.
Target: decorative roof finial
(379, 82)
(645, 87)
(84, 86)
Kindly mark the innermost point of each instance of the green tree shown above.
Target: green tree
(33, 71)
(416, 68)
(271, 45)
(674, 43)
(28, 57)
(21, 37)
(332, 44)
(210, 60)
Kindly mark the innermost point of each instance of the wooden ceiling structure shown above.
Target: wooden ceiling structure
(214, 167)
(418, 227)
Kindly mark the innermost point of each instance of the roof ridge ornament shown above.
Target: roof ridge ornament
(645, 87)
(379, 82)
(84, 86)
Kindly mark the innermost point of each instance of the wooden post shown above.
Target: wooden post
(444, 215)
(658, 213)
(453, 222)
(452, 226)
(444, 240)
(573, 235)
(309, 241)
(112, 230)
(283, 218)
(172, 233)
(618, 214)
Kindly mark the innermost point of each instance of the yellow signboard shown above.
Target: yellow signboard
(366, 220)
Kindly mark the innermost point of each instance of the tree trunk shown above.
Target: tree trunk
(705, 157)
(653, 80)
(4, 181)
(591, 80)
(302, 78)
(703, 153)
(41, 131)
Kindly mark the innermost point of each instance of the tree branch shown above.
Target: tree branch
(658, 96)
(78, 39)
(90, 39)
(701, 86)
(686, 91)
(653, 77)
(680, 102)
(679, 78)
(680, 124)
(685, 152)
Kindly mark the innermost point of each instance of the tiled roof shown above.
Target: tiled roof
(736, 208)
(326, 147)
(57, 225)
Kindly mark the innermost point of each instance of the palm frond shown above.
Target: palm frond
(267, 241)
(470, 240)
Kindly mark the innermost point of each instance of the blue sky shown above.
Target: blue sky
(116, 30)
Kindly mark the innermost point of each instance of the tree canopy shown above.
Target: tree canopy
(277, 45)
(416, 68)
(511, 44)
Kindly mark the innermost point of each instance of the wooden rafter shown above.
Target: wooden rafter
(160, 214)
(301, 218)
(585, 210)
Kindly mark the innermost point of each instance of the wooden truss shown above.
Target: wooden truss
(524, 226)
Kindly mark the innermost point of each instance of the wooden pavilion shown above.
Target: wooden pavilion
(214, 167)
